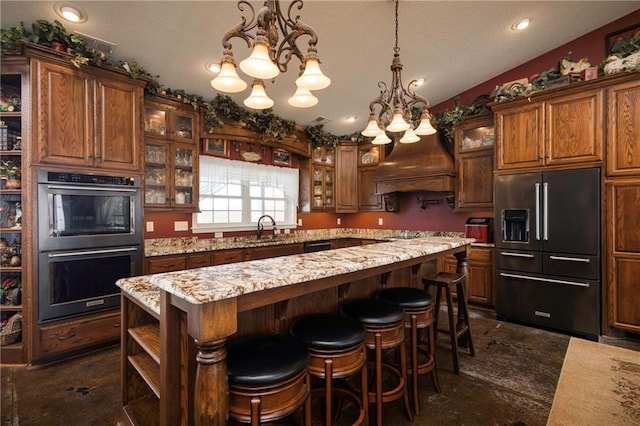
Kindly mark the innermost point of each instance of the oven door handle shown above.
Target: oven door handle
(86, 252)
(92, 188)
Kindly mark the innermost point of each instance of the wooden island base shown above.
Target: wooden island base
(173, 352)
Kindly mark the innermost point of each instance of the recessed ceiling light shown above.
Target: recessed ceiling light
(70, 13)
(213, 67)
(520, 25)
(419, 82)
(351, 119)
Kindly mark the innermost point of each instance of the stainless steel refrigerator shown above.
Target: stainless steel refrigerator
(548, 249)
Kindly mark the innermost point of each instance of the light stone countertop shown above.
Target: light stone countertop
(203, 285)
(181, 245)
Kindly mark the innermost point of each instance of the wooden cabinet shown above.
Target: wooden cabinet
(557, 128)
(171, 155)
(622, 206)
(474, 139)
(221, 257)
(15, 207)
(480, 283)
(322, 178)
(369, 156)
(157, 264)
(199, 260)
(89, 118)
(275, 251)
(346, 185)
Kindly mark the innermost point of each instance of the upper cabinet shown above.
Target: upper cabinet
(347, 178)
(474, 142)
(369, 156)
(170, 155)
(558, 128)
(88, 117)
(623, 137)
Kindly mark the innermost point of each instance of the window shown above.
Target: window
(234, 194)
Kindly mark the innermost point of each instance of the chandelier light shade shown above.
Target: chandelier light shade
(303, 98)
(373, 128)
(227, 80)
(273, 45)
(258, 98)
(381, 139)
(394, 107)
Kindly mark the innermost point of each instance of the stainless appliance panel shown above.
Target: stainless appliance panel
(519, 260)
(571, 211)
(572, 265)
(571, 305)
(77, 282)
(518, 211)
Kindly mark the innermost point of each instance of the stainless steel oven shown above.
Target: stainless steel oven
(87, 211)
(77, 282)
(89, 236)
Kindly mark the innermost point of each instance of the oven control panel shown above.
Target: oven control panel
(65, 177)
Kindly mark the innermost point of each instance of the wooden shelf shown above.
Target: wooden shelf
(12, 354)
(7, 114)
(10, 192)
(148, 369)
(7, 269)
(143, 411)
(148, 337)
(15, 153)
(10, 308)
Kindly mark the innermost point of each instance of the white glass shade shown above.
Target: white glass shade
(312, 78)
(373, 129)
(259, 64)
(409, 136)
(381, 139)
(227, 80)
(258, 98)
(303, 99)
(397, 123)
(425, 127)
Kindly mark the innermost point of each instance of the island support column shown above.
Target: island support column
(463, 268)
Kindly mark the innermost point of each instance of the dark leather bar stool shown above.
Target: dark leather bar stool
(336, 351)
(268, 378)
(383, 321)
(460, 332)
(418, 315)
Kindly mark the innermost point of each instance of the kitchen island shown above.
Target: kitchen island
(176, 324)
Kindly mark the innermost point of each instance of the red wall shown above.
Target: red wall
(410, 216)
(590, 46)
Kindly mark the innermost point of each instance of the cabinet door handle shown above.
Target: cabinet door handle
(90, 155)
(570, 259)
(67, 337)
(98, 156)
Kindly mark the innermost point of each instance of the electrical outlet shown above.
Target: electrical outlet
(339, 221)
(287, 231)
(218, 235)
(149, 226)
(299, 222)
(181, 225)
(380, 221)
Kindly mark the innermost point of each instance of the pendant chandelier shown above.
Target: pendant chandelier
(396, 106)
(274, 44)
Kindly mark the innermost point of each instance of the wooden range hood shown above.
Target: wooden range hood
(421, 166)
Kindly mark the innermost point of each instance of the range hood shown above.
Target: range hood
(415, 167)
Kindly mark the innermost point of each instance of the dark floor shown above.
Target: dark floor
(510, 381)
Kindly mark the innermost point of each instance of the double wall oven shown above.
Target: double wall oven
(89, 236)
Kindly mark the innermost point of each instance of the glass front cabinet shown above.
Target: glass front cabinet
(171, 156)
(323, 177)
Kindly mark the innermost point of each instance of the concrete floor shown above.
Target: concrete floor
(510, 381)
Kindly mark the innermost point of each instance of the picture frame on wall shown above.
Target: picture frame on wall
(281, 157)
(622, 34)
(215, 147)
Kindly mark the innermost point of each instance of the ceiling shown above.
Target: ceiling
(453, 45)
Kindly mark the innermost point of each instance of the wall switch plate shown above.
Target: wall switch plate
(380, 221)
(339, 221)
(150, 226)
(299, 222)
(218, 235)
(181, 225)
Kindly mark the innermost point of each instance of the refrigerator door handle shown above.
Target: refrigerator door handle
(537, 211)
(545, 211)
(506, 253)
(570, 259)
(546, 280)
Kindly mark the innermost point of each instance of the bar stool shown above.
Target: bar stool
(268, 378)
(383, 321)
(418, 315)
(336, 351)
(447, 281)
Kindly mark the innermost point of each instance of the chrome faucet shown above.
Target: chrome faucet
(261, 226)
